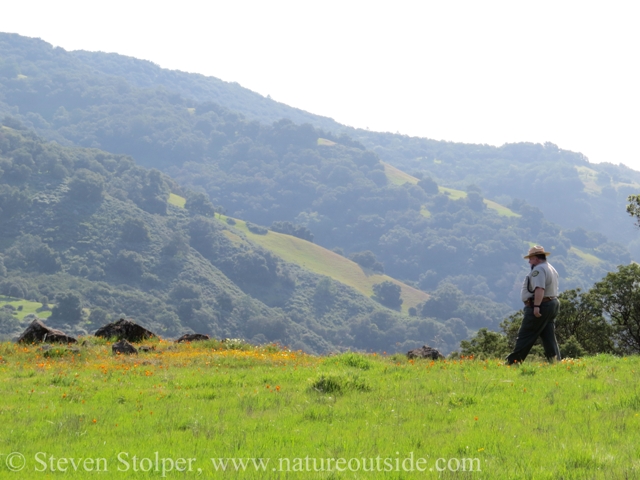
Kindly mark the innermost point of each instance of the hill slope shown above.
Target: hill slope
(93, 234)
(325, 262)
(398, 177)
(593, 196)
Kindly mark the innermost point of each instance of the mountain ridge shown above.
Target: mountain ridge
(402, 150)
(432, 232)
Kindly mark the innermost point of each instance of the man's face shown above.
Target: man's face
(533, 261)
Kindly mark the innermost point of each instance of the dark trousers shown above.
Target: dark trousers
(533, 327)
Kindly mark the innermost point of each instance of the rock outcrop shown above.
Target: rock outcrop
(425, 352)
(38, 332)
(192, 337)
(124, 348)
(124, 330)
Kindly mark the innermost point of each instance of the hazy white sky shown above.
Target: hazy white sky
(492, 72)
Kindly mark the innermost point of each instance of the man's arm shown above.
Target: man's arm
(538, 295)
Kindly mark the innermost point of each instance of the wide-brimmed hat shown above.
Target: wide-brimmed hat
(537, 250)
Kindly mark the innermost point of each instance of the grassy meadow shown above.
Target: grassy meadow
(95, 414)
(587, 257)
(177, 200)
(22, 307)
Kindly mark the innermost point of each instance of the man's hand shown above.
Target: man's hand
(538, 295)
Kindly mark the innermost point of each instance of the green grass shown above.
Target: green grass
(571, 420)
(325, 262)
(633, 185)
(589, 178)
(27, 307)
(452, 193)
(501, 209)
(177, 200)
(398, 177)
(587, 257)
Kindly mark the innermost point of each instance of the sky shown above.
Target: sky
(492, 72)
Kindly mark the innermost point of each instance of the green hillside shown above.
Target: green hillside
(398, 177)
(325, 262)
(566, 177)
(100, 238)
(542, 174)
(318, 260)
(20, 307)
(587, 257)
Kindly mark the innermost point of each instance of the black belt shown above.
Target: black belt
(529, 303)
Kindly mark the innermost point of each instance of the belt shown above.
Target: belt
(529, 303)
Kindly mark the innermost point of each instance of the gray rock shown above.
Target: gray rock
(123, 347)
(192, 337)
(124, 330)
(38, 332)
(425, 352)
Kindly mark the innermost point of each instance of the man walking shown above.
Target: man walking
(539, 294)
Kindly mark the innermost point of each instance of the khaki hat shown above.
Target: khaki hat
(537, 250)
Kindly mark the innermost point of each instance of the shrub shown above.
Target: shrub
(352, 359)
(339, 384)
(572, 348)
(257, 229)
(367, 259)
(292, 229)
(486, 344)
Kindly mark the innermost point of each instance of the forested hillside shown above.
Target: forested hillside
(92, 236)
(592, 196)
(567, 188)
(463, 248)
